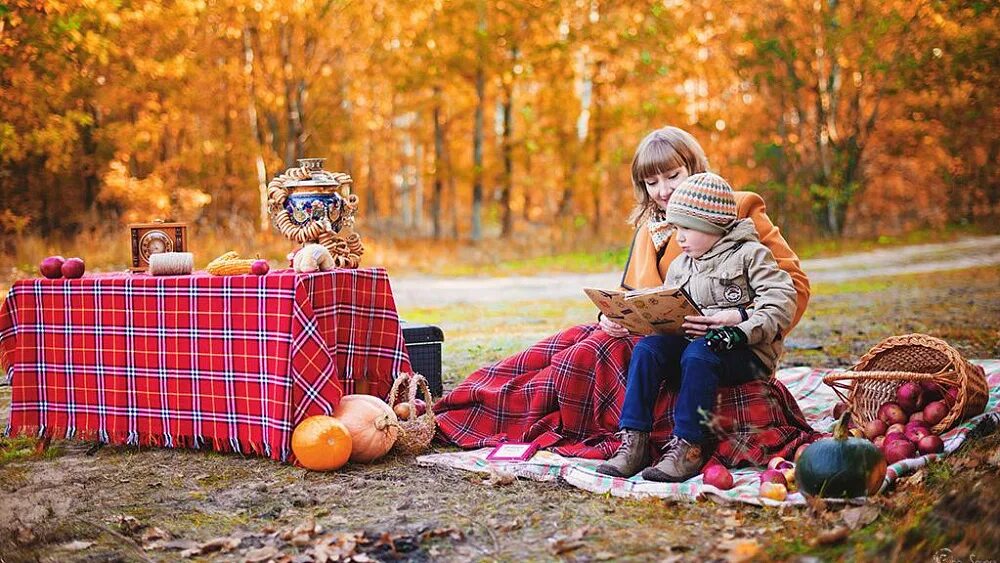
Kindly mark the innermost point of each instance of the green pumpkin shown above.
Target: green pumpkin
(840, 467)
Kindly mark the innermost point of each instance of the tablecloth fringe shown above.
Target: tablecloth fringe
(132, 438)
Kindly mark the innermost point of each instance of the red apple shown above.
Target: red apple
(893, 436)
(878, 441)
(259, 267)
(915, 431)
(951, 396)
(798, 452)
(420, 405)
(916, 417)
(718, 476)
(773, 476)
(51, 267)
(932, 391)
(875, 428)
(892, 413)
(73, 268)
(935, 412)
(930, 444)
(839, 409)
(900, 428)
(897, 450)
(910, 396)
(779, 463)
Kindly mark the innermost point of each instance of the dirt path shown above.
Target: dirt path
(424, 291)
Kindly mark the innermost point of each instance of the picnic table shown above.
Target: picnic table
(232, 363)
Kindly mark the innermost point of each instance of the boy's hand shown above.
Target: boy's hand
(697, 325)
(725, 338)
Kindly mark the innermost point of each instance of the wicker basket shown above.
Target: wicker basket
(912, 357)
(416, 432)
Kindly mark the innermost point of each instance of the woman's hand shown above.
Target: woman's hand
(697, 325)
(612, 328)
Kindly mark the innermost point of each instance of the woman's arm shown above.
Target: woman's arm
(752, 206)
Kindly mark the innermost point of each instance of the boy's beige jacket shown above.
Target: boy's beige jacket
(739, 271)
(647, 268)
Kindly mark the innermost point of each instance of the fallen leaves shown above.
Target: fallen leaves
(499, 478)
(860, 516)
(560, 544)
(307, 541)
(77, 545)
(832, 536)
(741, 550)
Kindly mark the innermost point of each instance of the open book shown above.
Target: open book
(658, 310)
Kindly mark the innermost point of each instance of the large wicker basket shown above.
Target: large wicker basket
(911, 357)
(416, 432)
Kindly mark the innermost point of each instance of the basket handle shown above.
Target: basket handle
(419, 381)
(843, 382)
(887, 376)
(413, 381)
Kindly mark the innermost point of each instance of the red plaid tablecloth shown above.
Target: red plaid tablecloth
(232, 363)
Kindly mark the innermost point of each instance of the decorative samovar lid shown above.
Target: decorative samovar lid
(316, 177)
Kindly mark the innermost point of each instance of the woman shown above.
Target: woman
(565, 392)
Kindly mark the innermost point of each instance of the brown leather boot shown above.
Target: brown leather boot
(631, 457)
(681, 461)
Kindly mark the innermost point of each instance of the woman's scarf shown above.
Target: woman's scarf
(659, 230)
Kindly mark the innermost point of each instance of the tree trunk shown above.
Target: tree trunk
(477, 154)
(293, 115)
(597, 139)
(506, 216)
(438, 166)
(477, 132)
(248, 57)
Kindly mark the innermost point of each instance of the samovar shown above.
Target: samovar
(310, 205)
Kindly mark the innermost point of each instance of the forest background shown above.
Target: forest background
(506, 126)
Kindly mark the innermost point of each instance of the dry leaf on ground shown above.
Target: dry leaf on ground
(740, 550)
(261, 554)
(860, 516)
(832, 536)
(77, 545)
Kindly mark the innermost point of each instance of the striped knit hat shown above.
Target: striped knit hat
(703, 202)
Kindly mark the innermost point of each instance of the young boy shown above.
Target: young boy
(723, 267)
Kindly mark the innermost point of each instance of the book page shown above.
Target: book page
(612, 303)
(664, 308)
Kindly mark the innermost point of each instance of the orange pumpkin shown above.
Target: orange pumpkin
(322, 443)
(373, 426)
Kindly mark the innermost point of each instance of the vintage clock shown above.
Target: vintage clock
(153, 238)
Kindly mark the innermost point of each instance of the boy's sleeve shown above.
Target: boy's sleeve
(774, 304)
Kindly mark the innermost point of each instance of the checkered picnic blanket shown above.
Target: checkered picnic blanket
(230, 362)
(814, 397)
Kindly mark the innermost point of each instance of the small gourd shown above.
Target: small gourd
(321, 443)
(841, 466)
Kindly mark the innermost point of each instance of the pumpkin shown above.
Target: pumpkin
(841, 466)
(372, 424)
(321, 443)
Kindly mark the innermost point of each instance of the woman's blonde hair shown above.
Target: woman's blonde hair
(660, 152)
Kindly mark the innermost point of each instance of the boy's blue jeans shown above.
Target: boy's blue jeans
(689, 365)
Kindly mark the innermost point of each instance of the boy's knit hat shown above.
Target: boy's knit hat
(703, 202)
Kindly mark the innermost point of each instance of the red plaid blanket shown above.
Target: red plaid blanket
(565, 393)
(232, 362)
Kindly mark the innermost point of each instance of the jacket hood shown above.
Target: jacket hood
(743, 231)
